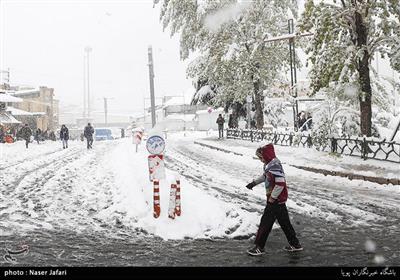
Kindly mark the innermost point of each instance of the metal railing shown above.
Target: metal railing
(353, 146)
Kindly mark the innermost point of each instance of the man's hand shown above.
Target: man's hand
(251, 185)
(271, 199)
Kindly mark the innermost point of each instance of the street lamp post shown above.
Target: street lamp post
(292, 36)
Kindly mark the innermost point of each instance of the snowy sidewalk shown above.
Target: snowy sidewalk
(312, 160)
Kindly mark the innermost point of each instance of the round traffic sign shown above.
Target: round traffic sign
(155, 145)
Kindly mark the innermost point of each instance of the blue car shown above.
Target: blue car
(103, 134)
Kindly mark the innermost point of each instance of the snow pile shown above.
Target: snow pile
(202, 215)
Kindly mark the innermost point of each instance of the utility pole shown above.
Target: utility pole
(84, 86)
(292, 56)
(151, 77)
(293, 74)
(87, 51)
(184, 112)
(106, 108)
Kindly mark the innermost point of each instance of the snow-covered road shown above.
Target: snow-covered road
(80, 207)
(330, 198)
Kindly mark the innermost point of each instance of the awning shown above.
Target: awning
(18, 112)
(4, 97)
(6, 118)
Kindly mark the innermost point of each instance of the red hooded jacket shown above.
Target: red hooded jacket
(274, 174)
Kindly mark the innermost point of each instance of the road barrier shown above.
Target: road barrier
(174, 208)
(156, 198)
(363, 147)
(172, 195)
(137, 138)
(178, 198)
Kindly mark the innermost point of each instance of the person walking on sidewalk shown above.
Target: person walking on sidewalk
(277, 193)
(220, 121)
(88, 133)
(64, 136)
(26, 133)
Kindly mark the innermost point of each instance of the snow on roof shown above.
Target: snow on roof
(25, 91)
(4, 97)
(6, 118)
(18, 112)
(185, 98)
(176, 100)
(219, 110)
(186, 117)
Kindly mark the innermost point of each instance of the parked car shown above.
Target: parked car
(103, 134)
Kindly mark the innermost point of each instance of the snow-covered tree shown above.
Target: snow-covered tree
(347, 33)
(229, 36)
(275, 112)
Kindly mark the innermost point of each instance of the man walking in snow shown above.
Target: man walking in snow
(64, 136)
(38, 135)
(26, 134)
(277, 193)
(220, 121)
(88, 133)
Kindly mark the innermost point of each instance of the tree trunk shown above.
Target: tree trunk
(364, 77)
(257, 104)
(234, 117)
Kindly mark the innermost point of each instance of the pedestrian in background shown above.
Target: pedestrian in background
(26, 133)
(88, 133)
(52, 136)
(220, 121)
(277, 193)
(2, 134)
(38, 134)
(64, 136)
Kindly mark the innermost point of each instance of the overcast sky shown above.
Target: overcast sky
(42, 42)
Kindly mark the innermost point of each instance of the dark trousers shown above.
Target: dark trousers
(27, 142)
(89, 142)
(65, 143)
(221, 131)
(272, 212)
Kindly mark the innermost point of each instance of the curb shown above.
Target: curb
(219, 149)
(350, 176)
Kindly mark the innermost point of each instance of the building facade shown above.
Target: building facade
(42, 104)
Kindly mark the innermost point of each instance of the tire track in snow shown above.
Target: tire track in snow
(80, 191)
(20, 207)
(200, 178)
(16, 173)
(29, 159)
(31, 197)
